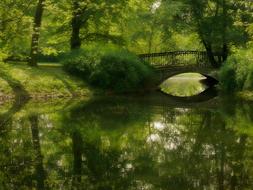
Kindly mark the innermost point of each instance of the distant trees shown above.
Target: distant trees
(218, 23)
(214, 21)
(141, 26)
(15, 26)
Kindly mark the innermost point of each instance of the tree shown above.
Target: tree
(15, 27)
(36, 33)
(215, 22)
(90, 16)
(141, 26)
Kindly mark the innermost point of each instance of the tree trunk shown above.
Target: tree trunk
(36, 33)
(77, 143)
(224, 38)
(75, 42)
(40, 172)
(224, 52)
(150, 40)
(210, 54)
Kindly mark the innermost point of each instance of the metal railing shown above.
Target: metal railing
(179, 58)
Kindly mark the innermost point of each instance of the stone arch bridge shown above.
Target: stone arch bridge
(168, 64)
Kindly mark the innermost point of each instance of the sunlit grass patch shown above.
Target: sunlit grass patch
(5, 89)
(246, 95)
(45, 80)
(187, 84)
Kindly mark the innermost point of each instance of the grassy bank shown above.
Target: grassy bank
(45, 81)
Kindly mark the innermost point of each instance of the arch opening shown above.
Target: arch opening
(187, 84)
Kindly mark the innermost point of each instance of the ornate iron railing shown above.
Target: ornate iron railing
(179, 58)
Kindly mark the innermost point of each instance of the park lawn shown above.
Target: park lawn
(46, 80)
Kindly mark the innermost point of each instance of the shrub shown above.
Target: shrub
(228, 78)
(81, 62)
(237, 72)
(120, 71)
(108, 68)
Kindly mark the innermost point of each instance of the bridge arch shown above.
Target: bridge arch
(204, 96)
(168, 64)
(210, 74)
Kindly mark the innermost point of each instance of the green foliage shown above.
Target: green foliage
(228, 78)
(237, 72)
(81, 62)
(15, 22)
(120, 71)
(139, 26)
(108, 68)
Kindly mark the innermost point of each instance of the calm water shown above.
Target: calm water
(150, 143)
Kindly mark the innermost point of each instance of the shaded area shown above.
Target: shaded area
(17, 87)
(189, 85)
(21, 97)
(39, 173)
(209, 81)
(206, 95)
(166, 73)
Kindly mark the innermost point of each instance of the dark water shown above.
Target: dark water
(137, 143)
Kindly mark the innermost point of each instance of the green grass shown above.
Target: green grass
(187, 84)
(246, 95)
(43, 81)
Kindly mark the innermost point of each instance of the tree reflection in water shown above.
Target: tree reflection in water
(129, 143)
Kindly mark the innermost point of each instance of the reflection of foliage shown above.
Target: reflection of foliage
(122, 143)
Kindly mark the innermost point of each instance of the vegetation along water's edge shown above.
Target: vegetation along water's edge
(44, 81)
(236, 75)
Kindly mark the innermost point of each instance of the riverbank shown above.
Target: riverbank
(44, 81)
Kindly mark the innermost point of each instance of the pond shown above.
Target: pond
(127, 143)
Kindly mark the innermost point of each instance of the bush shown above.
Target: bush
(228, 79)
(81, 62)
(108, 69)
(237, 72)
(120, 71)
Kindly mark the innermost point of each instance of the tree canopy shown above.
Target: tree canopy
(142, 27)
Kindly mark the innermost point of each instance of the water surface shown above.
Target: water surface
(134, 143)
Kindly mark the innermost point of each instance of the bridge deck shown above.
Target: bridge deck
(168, 64)
(179, 59)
